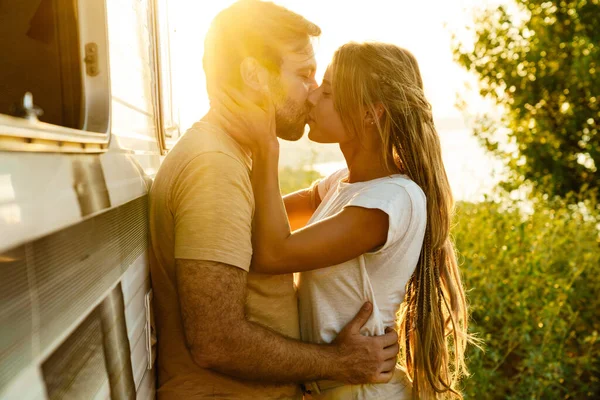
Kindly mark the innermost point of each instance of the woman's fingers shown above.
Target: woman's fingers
(237, 102)
(222, 108)
(226, 103)
(224, 121)
(238, 98)
(251, 124)
(225, 116)
(268, 104)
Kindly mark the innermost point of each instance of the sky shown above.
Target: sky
(424, 27)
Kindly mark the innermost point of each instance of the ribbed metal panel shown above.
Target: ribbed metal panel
(77, 369)
(116, 346)
(47, 285)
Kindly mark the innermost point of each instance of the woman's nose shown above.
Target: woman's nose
(313, 95)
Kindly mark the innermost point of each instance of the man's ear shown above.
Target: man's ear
(254, 74)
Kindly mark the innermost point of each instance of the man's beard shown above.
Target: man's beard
(290, 120)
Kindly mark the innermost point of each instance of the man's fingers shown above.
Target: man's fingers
(389, 366)
(391, 351)
(389, 339)
(361, 318)
(384, 377)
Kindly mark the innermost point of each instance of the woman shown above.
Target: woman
(376, 231)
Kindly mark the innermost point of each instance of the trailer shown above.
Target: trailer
(87, 112)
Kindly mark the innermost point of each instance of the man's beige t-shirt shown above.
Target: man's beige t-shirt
(201, 208)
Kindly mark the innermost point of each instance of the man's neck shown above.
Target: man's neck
(211, 118)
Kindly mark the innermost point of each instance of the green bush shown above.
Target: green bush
(534, 290)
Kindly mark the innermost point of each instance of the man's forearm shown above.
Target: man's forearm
(220, 337)
(251, 351)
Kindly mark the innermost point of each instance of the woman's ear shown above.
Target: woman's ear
(374, 114)
(379, 110)
(369, 120)
(253, 74)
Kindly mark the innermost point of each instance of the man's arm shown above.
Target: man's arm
(219, 336)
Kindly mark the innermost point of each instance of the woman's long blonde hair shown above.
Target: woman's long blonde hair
(433, 317)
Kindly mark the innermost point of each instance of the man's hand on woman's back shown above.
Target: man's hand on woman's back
(366, 359)
(212, 298)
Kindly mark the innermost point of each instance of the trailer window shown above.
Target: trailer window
(54, 67)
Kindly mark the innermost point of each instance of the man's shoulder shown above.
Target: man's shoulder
(205, 141)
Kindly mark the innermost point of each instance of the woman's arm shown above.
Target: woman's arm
(301, 205)
(342, 237)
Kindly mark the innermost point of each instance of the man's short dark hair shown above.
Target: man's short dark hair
(251, 28)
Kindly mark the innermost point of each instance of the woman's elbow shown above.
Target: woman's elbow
(265, 262)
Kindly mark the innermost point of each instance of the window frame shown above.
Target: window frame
(166, 106)
(21, 134)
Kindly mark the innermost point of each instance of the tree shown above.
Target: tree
(541, 65)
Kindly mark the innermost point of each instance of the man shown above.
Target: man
(223, 331)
